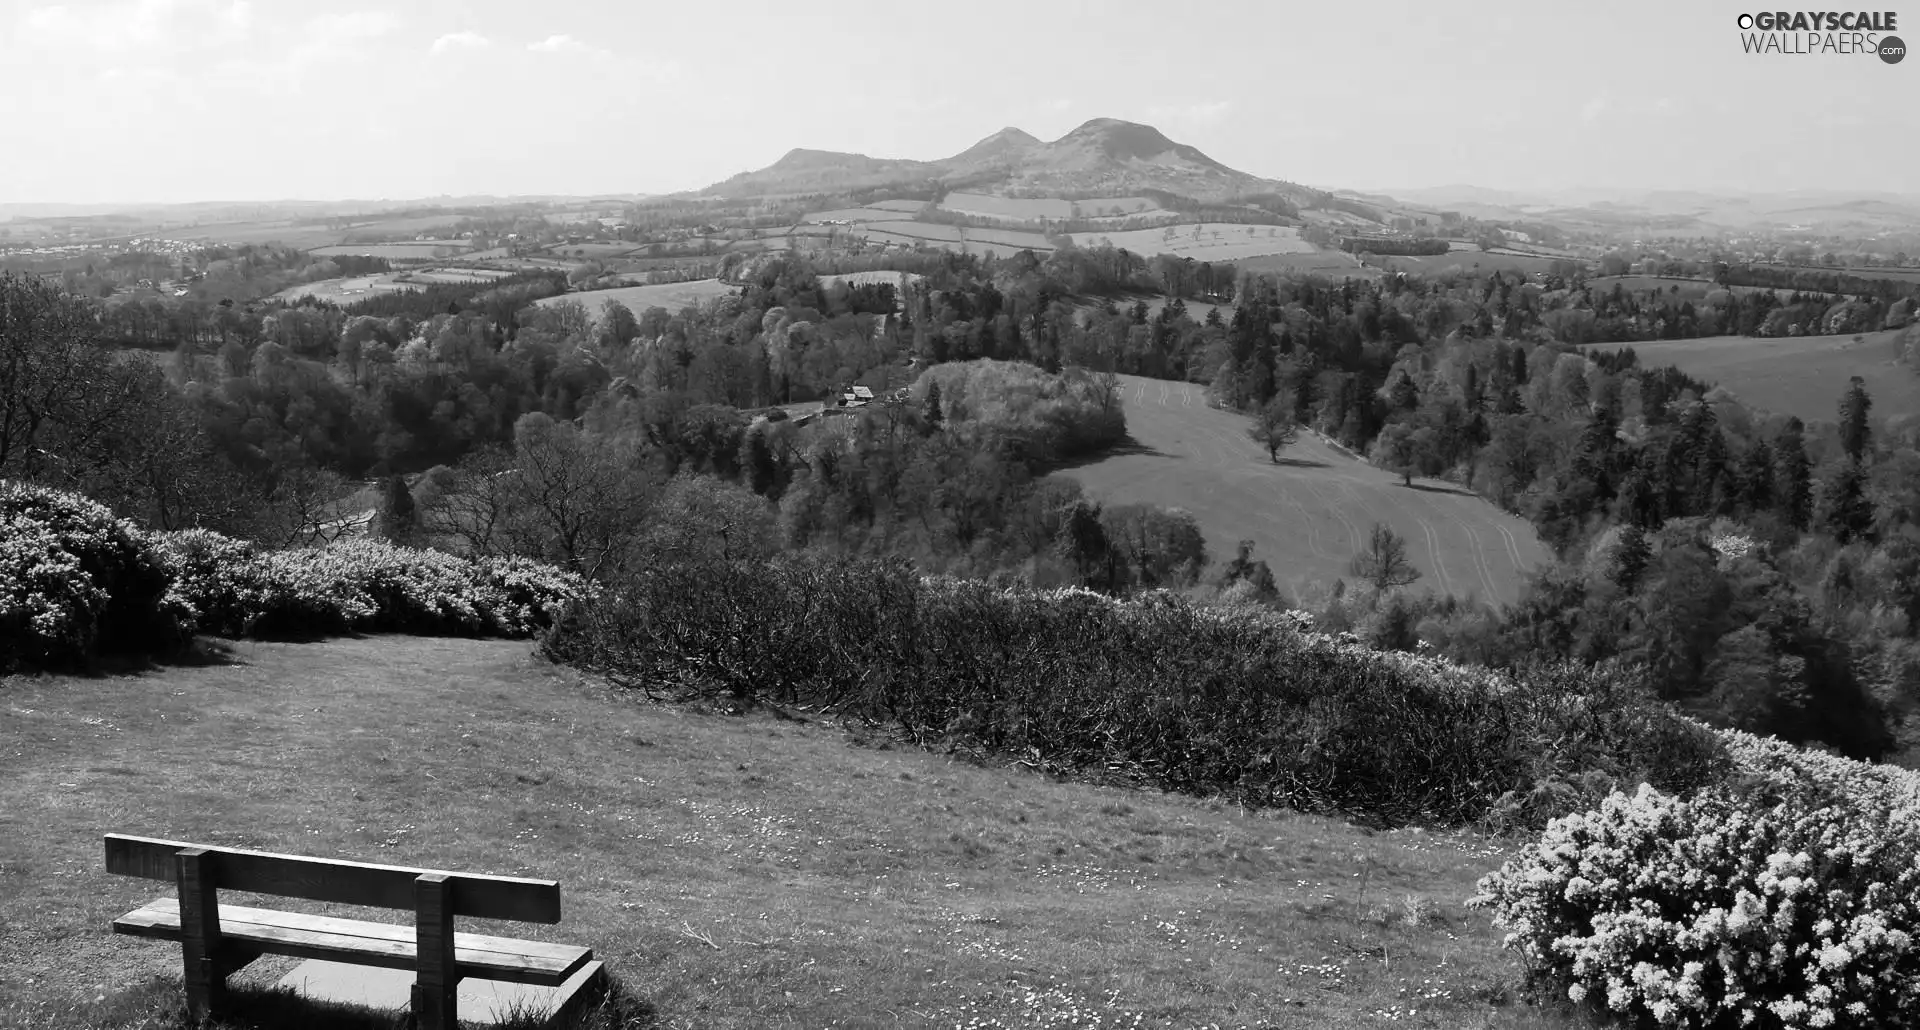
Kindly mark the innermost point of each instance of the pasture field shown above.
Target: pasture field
(1308, 515)
(733, 873)
(908, 206)
(1796, 375)
(595, 250)
(672, 296)
(1017, 209)
(853, 214)
(1470, 260)
(1003, 242)
(300, 237)
(1334, 264)
(345, 290)
(416, 251)
(1204, 241)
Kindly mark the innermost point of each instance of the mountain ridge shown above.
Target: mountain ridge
(1102, 155)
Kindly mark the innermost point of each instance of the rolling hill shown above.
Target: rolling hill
(1309, 514)
(1105, 155)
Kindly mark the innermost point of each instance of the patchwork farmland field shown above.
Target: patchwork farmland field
(1797, 375)
(1204, 241)
(983, 206)
(1003, 242)
(237, 233)
(345, 290)
(348, 289)
(1470, 260)
(672, 296)
(420, 251)
(1310, 514)
(1334, 264)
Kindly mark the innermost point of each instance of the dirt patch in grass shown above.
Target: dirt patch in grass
(732, 871)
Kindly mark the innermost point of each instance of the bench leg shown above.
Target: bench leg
(204, 972)
(435, 978)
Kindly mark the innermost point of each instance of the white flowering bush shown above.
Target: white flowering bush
(1786, 897)
(75, 581)
(365, 585)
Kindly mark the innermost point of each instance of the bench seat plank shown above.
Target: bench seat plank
(366, 943)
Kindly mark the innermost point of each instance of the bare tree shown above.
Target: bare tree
(1384, 563)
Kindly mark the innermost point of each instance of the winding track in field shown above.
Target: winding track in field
(1309, 514)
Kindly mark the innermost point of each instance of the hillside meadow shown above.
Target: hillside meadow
(672, 296)
(1797, 375)
(1310, 513)
(732, 872)
(1205, 241)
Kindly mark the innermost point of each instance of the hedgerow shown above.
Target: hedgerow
(76, 583)
(1209, 701)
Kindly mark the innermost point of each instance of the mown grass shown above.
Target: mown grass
(731, 871)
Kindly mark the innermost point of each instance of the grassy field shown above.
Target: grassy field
(1332, 263)
(1471, 260)
(1308, 515)
(1206, 241)
(1012, 208)
(345, 290)
(732, 872)
(854, 214)
(236, 233)
(1797, 375)
(672, 296)
(419, 251)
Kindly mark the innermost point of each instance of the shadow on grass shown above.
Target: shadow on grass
(1121, 449)
(1456, 491)
(203, 652)
(1297, 463)
(160, 1004)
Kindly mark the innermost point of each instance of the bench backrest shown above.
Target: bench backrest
(347, 883)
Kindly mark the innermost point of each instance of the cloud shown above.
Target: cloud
(1664, 103)
(559, 43)
(1592, 109)
(1202, 113)
(460, 41)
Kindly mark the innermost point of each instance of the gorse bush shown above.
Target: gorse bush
(76, 583)
(1786, 896)
(1210, 701)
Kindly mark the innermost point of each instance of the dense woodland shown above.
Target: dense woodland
(1759, 570)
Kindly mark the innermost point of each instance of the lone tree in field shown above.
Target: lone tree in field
(1274, 428)
(1384, 563)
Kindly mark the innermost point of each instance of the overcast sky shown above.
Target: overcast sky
(178, 100)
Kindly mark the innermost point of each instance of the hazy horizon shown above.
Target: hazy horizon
(180, 101)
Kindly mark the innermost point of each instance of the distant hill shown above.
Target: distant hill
(1105, 156)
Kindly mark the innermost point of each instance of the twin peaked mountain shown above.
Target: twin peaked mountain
(1105, 156)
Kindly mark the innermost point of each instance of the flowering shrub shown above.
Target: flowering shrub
(75, 580)
(1786, 896)
(365, 585)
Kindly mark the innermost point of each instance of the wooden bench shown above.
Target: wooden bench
(218, 939)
